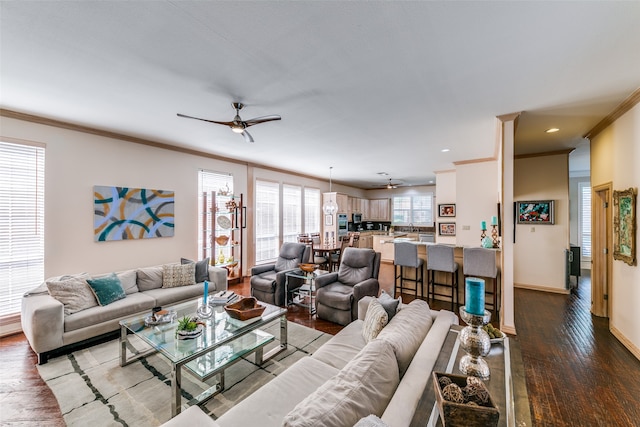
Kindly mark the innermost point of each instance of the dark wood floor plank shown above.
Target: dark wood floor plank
(577, 372)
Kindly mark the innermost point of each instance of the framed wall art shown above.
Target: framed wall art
(535, 212)
(447, 228)
(124, 213)
(447, 210)
(624, 225)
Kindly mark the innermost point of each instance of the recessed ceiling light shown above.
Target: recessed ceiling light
(552, 130)
(445, 150)
(431, 182)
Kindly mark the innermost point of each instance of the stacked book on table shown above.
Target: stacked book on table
(224, 297)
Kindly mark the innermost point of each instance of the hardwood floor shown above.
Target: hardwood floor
(577, 373)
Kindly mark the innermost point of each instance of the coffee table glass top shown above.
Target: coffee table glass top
(219, 329)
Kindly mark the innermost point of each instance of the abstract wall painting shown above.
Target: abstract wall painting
(123, 213)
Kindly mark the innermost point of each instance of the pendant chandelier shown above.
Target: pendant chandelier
(330, 207)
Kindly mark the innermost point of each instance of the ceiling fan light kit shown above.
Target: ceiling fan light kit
(238, 125)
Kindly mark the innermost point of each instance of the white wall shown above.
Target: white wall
(539, 251)
(446, 193)
(615, 156)
(477, 196)
(75, 162)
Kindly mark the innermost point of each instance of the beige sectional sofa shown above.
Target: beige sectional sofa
(51, 327)
(348, 378)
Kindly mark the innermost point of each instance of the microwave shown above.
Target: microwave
(357, 218)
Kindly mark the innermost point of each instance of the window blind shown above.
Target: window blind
(21, 222)
(584, 221)
(416, 210)
(311, 210)
(267, 216)
(291, 212)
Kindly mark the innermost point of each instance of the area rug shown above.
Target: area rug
(92, 388)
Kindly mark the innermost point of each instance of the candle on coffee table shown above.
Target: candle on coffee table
(474, 291)
(206, 292)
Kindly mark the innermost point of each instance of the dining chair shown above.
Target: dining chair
(315, 257)
(440, 258)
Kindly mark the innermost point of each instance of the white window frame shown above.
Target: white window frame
(584, 220)
(267, 220)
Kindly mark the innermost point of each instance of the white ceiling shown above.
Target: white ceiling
(364, 87)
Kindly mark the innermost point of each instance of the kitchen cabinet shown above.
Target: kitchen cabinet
(343, 202)
(379, 210)
(384, 245)
(366, 240)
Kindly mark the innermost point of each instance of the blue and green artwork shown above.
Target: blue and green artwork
(123, 213)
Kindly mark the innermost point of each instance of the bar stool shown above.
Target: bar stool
(481, 262)
(440, 258)
(406, 255)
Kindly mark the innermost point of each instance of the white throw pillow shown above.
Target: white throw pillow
(374, 321)
(74, 292)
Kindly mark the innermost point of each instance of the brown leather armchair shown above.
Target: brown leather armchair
(338, 293)
(267, 280)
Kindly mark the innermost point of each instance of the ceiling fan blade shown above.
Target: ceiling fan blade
(262, 119)
(205, 120)
(247, 136)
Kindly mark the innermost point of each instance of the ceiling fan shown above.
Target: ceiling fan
(390, 185)
(238, 125)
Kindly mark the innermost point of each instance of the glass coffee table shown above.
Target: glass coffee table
(223, 342)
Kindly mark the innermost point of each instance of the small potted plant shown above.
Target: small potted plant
(189, 327)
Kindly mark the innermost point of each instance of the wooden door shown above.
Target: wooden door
(602, 250)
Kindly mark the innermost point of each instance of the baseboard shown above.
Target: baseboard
(511, 330)
(10, 325)
(542, 288)
(630, 346)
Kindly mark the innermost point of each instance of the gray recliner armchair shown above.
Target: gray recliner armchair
(338, 293)
(267, 280)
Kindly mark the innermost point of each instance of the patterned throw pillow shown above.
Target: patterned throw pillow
(174, 275)
(74, 292)
(374, 321)
(107, 289)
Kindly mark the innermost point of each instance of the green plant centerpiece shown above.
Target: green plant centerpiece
(189, 327)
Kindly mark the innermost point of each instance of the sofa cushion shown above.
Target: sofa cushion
(365, 386)
(202, 268)
(374, 321)
(132, 304)
(406, 331)
(166, 296)
(336, 295)
(371, 421)
(264, 282)
(174, 275)
(107, 289)
(73, 292)
(343, 346)
(270, 404)
(390, 305)
(149, 278)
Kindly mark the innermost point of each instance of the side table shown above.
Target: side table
(305, 295)
(507, 383)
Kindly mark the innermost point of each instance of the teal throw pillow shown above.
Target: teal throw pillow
(107, 289)
(202, 268)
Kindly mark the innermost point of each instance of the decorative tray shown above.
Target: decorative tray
(224, 222)
(244, 309)
(160, 319)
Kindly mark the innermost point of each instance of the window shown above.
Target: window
(300, 209)
(21, 222)
(267, 216)
(311, 210)
(584, 219)
(416, 210)
(208, 183)
(291, 212)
